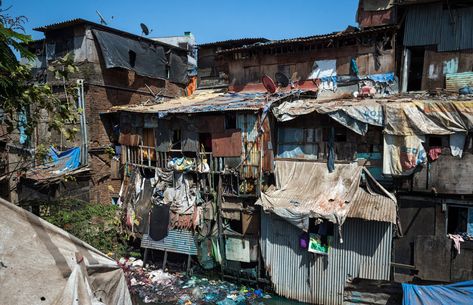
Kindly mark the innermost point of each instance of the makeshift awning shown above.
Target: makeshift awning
(42, 264)
(398, 117)
(307, 190)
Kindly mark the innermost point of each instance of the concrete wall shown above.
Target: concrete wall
(425, 245)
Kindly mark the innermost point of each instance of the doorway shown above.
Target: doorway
(416, 69)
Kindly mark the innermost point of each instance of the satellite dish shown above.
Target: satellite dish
(102, 20)
(281, 79)
(144, 29)
(268, 83)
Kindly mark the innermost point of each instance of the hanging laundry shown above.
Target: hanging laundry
(457, 143)
(159, 222)
(326, 71)
(457, 239)
(402, 154)
(434, 153)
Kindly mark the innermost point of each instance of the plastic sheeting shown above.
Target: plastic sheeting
(307, 189)
(402, 154)
(65, 161)
(42, 264)
(458, 294)
(145, 58)
(178, 69)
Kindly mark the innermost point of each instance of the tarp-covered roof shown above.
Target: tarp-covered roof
(80, 21)
(397, 116)
(208, 101)
(307, 190)
(42, 264)
(60, 164)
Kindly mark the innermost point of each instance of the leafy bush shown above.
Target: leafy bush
(97, 224)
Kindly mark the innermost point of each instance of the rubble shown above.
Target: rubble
(160, 286)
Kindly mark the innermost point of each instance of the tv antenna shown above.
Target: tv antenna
(102, 19)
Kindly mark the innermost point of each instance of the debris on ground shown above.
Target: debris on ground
(158, 286)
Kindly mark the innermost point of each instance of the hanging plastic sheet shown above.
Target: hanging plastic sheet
(326, 71)
(402, 154)
(65, 161)
(330, 196)
(190, 141)
(459, 294)
(163, 137)
(423, 118)
(178, 69)
(43, 264)
(143, 57)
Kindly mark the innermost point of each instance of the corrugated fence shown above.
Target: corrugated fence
(300, 275)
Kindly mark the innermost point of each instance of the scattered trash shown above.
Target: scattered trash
(158, 286)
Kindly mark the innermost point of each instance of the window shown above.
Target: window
(230, 121)
(205, 140)
(320, 236)
(132, 58)
(299, 142)
(176, 139)
(459, 220)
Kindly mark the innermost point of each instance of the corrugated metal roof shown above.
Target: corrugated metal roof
(298, 274)
(207, 101)
(79, 21)
(342, 34)
(372, 207)
(233, 42)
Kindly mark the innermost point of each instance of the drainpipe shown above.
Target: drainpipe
(406, 63)
(84, 155)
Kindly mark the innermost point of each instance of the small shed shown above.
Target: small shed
(361, 212)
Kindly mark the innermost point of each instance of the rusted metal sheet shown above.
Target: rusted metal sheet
(456, 81)
(297, 274)
(372, 207)
(307, 189)
(226, 144)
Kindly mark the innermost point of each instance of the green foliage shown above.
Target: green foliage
(97, 224)
(19, 93)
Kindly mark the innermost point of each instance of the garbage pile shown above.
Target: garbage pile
(158, 286)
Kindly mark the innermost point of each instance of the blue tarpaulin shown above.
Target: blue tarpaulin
(458, 294)
(65, 161)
